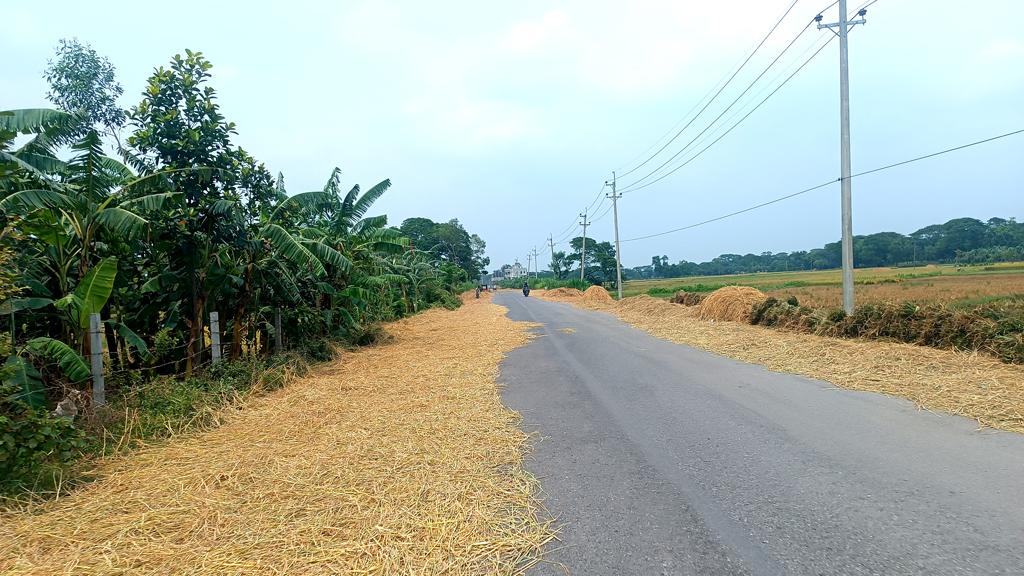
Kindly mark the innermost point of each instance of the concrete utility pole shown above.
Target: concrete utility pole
(551, 243)
(536, 264)
(618, 248)
(583, 255)
(844, 26)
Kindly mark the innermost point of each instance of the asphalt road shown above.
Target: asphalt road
(657, 458)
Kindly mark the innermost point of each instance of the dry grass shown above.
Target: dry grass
(731, 303)
(938, 289)
(564, 292)
(398, 459)
(972, 385)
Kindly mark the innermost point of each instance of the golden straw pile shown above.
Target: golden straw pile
(597, 294)
(397, 459)
(972, 385)
(732, 303)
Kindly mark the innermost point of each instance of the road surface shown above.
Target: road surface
(657, 458)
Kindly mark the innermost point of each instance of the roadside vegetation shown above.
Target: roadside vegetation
(972, 308)
(175, 223)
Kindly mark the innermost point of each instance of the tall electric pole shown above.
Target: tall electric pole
(536, 264)
(618, 249)
(844, 26)
(583, 254)
(551, 243)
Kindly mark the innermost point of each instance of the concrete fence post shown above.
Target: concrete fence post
(278, 336)
(96, 359)
(214, 338)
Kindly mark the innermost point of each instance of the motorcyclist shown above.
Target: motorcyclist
(526, 288)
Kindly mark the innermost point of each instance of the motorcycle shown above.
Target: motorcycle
(526, 291)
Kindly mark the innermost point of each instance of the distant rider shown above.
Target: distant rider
(526, 288)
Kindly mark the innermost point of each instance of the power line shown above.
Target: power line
(719, 92)
(726, 110)
(733, 127)
(824, 184)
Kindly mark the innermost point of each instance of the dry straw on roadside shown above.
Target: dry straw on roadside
(398, 459)
(564, 293)
(731, 303)
(597, 294)
(967, 384)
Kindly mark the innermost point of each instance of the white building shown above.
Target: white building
(514, 272)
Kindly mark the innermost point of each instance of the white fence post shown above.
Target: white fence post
(96, 359)
(214, 338)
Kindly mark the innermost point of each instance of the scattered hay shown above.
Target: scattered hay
(563, 293)
(688, 298)
(597, 294)
(399, 459)
(973, 385)
(644, 304)
(567, 330)
(732, 303)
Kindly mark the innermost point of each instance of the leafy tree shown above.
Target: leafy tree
(179, 130)
(83, 83)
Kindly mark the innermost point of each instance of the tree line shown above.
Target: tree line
(179, 222)
(961, 240)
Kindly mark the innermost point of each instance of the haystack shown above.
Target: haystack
(564, 293)
(597, 294)
(688, 298)
(732, 303)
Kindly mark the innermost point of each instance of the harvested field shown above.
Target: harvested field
(397, 459)
(972, 385)
(944, 284)
(732, 303)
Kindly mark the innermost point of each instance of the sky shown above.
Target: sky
(511, 116)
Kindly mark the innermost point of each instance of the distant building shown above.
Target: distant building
(514, 271)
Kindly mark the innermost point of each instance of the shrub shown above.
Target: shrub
(35, 447)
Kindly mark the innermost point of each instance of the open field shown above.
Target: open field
(946, 284)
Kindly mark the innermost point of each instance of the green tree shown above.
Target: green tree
(178, 128)
(83, 83)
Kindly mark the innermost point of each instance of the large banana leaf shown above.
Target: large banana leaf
(71, 364)
(149, 202)
(131, 338)
(92, 293)
(304, 201)
(18, 304)
(28, 200)
(31, 120)
(122, 222)
(367, 199)
(289, 248)
(26, 378)
(328, 255)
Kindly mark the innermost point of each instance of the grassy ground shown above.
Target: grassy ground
(822, 288)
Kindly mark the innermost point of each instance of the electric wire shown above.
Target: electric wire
(727, 108)
(719, 92)
(734, 126)
(824, 184)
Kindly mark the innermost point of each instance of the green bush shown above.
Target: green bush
(998, 330)
(35, 447)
